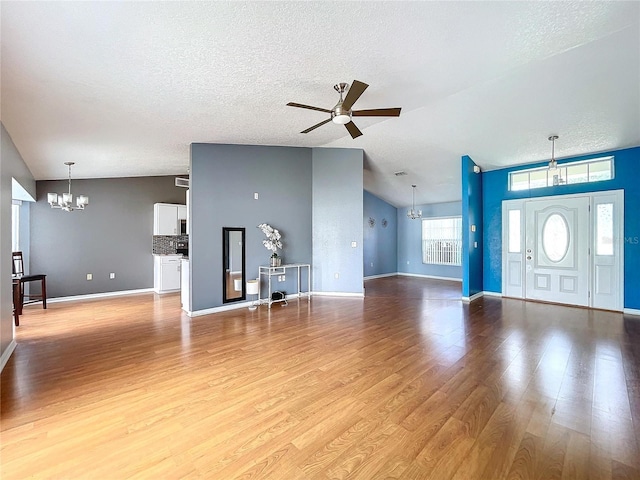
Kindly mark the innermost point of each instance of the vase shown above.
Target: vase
(275, 261)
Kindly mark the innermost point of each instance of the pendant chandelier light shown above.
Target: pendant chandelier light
(414, 214)
(554, 171)
(553, 164)
(64, 201)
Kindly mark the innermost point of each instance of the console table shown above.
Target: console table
(268, 272)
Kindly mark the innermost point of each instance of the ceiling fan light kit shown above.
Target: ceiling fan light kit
(342, 114)
(64, 201)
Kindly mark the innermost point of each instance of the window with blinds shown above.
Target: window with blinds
(442, 241)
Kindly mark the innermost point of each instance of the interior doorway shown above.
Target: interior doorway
(565, 249)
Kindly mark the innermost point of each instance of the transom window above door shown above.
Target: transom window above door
(586, 171)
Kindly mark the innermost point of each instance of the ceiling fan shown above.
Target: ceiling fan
(342, 113)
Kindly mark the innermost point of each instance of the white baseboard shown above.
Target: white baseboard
(222, 308)
(91, 296)
(630, 311)
(338, 294)
(473, 297)
(433, 277)
(7, 353)
(382, 275)
(492, 294)
(237, 305)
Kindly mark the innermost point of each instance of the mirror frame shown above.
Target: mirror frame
(225, 261)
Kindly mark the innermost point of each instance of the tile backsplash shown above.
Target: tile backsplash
(166, 244)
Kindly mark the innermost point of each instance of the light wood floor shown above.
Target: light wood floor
(408, 383)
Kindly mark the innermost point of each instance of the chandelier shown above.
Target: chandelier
(554, 171)
(414, 214)
(64, 201)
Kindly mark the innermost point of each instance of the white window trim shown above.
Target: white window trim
(15, 225)
(562, 167)
(457, 254)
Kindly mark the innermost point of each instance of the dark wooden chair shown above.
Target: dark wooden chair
(19, 279)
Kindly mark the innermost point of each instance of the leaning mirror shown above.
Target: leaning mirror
(233, 275)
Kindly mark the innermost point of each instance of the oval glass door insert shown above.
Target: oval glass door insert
(555, 237)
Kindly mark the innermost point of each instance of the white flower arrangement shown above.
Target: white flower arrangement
(272, 242)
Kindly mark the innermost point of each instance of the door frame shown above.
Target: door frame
(513, 263)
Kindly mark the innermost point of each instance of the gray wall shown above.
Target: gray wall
(337, 220)
(380, 242)
(11, 166)
(223, 181)
(114, 234)
(410, 241)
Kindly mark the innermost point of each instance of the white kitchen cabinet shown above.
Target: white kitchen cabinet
(166, 273)
(182, 212)
(167, 217)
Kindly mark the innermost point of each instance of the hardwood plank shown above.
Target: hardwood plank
(408, 385)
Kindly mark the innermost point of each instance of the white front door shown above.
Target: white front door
(557, 250)
(565, 249)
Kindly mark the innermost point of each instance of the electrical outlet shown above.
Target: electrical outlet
(336, 275)
(255, 196)
(372, 264)
(281, 278)
(171, 243)
(354, 244)
(112, 276)
(407, 262)
(89, 276)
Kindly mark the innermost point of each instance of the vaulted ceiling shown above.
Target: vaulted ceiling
(123, 88)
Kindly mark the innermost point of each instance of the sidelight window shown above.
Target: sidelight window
(604, 229)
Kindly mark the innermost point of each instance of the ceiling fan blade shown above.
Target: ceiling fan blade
(355, 90)
(353, 130)
(309, 107)
(316, 126)
(377, 112)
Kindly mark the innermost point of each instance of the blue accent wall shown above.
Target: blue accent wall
(410, 241)
(626, 165)
(380, 242)
(472, 215)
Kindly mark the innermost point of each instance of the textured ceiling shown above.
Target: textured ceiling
(123, 88)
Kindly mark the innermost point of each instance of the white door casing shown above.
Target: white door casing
(578, 262)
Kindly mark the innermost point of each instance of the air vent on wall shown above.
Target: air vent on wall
(182, 182)
(400, 173)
